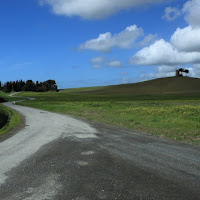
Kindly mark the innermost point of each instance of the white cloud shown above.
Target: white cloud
(191, 9)
(93, 9)
(146, 76)
(97, 66)
(149, 39)
(100, 62)
(163, 53)
(105, 42)
(187, 39)
(124, 80)
(166, 71)
(171, 13)
(115, 63)
(183, 49)
(102, 43)
(97, 60)
(195, 70)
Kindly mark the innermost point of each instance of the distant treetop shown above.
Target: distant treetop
(29, 85)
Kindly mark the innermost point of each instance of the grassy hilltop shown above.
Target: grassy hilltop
(171, 85)
(168, 107)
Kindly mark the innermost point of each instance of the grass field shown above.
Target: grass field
(7, 97)
(12, 115)
(167, 107)
(175, 117)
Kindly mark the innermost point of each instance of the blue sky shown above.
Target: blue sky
(84, 43)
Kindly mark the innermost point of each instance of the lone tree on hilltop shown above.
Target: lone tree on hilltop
(180, 72)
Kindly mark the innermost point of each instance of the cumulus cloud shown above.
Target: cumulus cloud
(103, 43)
(195, 70)
(97, 60)
(100, 62)
(106, 41)
(183, 48)
(146, 76)
(171, 13)
(149, 39)
(191, 9)
(163, 53)
(97, 66)
(93, 9)
(166, 71)
(115, 63)
(187, 39)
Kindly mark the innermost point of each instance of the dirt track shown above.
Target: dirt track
(58, 157)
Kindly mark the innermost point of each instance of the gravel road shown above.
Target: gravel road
(59, 157)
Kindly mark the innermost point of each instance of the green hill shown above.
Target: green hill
(171, 85)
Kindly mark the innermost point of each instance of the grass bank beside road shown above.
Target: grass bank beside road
(3, 118)
(175, 117)
(9, 119)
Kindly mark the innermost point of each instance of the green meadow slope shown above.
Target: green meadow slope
(161, 86)
(167, 107)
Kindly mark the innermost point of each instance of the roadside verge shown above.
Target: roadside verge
(14, 123)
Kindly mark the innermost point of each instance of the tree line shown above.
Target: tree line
(17, 86)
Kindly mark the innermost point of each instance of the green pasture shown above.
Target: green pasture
(7, 97)
(169, 116)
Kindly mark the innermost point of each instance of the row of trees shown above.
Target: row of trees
(17, 86)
